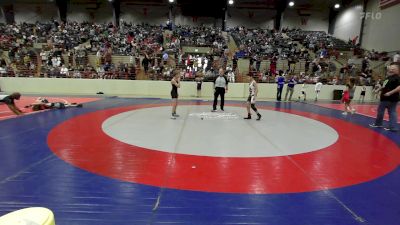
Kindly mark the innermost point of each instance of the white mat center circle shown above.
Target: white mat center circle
(222, 134)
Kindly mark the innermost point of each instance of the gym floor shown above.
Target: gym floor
(124, 161)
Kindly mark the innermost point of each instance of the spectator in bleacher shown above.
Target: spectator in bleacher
(3, 70)
(132, 72)
(334, 81)
(231, 76)
(364, 64)
(316, 68)
(53, 61)
(64, 71)
(31, 68)
(291, 64)
(258, 63)
(234, 62)
(165, 58)
(77, 73)
(323, 53)
(272, 66)
(27, 59)
(396, 57)
(145, 63)
(210, 73)
(100, 72)
(15, 69)
(43, 56)
(98, 58)
(307, 65)
(332, 68)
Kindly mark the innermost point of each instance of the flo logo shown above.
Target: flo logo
(371, 15)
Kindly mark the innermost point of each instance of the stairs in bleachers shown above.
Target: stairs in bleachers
(117, 59)
(92, 60)
(232, 44)
(282, 65)
(264, 66)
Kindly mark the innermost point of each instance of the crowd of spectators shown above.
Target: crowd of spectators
(263, 44)
(67, 46)
(259, 44)
(197, 36)
(76, 40)
(317, 39)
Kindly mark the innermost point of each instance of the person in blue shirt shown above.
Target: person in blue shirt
(165, 58)
(280, 80)
(290, 87)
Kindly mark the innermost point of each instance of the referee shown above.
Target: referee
(220, 87)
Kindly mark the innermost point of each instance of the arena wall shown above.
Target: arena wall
(102, 13)
(195, 21)
(2, 17)
(156, 15)
(146, 88)
(153, 15)
(382, 34)
(317, 21)
(380, 31)
(348, 22)
(33, 12)
(251, 18)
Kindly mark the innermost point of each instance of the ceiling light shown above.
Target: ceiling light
(291, 4)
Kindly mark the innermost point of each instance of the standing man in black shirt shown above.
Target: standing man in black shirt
(220, 87)
(389, 98)
(145, 63)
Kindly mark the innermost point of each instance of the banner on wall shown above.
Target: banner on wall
(383, 4)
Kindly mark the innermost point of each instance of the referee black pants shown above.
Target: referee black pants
(219, 91)
(279, 93)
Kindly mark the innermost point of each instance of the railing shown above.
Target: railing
(18, 73)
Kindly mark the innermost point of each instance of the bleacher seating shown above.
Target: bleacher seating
(102, 51)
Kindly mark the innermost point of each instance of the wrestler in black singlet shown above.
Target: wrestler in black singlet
(174, 91)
